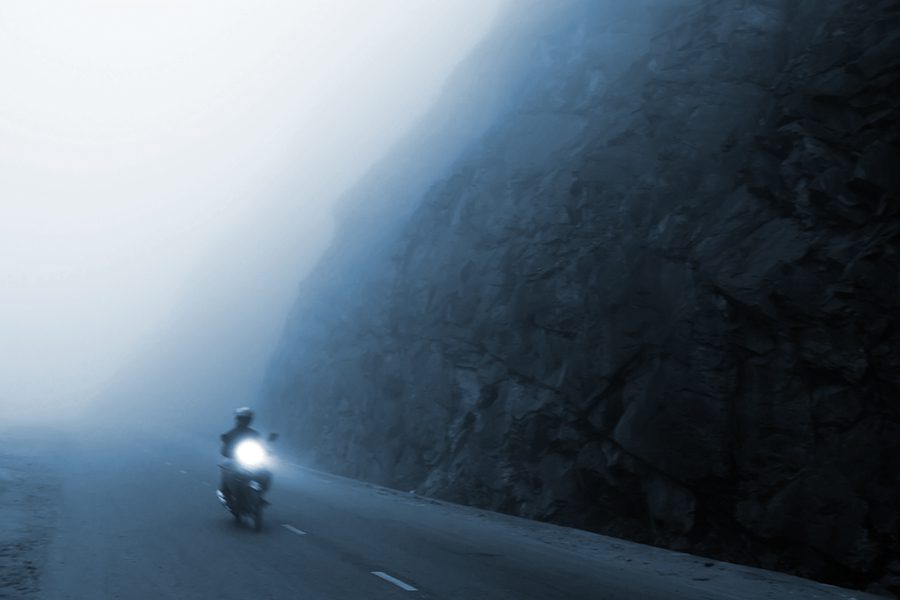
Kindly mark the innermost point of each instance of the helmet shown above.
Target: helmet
(243, 414)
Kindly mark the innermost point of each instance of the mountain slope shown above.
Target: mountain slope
(658, 299)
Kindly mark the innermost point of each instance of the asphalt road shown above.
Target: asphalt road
(139, 519)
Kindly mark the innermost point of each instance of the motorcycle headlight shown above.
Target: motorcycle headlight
(250, 454)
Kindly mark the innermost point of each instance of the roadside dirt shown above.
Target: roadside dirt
(29, 504)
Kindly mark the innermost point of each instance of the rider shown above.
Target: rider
(240, 432)
(230, 439)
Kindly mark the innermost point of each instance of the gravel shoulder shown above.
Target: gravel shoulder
(29, 504)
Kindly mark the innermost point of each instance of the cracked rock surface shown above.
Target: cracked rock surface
(658, 299)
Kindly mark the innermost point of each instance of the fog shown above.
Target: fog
(147, 147)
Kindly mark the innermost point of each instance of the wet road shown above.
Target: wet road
(140, 520)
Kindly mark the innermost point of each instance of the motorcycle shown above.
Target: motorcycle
(248, 480)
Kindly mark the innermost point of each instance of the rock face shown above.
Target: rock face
(659, 299)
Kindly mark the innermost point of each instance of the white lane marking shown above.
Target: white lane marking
(183, 472)
(294, 529)
(206, 483)
(400, 584)
(167, 463)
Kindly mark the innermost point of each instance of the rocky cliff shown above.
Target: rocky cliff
(658, 299)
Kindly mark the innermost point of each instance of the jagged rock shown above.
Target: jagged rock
(658, 299)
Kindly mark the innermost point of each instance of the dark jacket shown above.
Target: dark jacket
(231, 439)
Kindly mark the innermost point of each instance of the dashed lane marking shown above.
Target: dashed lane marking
(294, 529)
(400, 584)
(183, 472)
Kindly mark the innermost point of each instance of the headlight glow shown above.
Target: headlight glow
(250, 454)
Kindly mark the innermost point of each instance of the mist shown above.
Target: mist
(158, 158)
(534, 299)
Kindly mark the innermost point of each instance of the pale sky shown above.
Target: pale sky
(134, 134)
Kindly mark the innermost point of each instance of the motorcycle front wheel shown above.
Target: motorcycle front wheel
(257, 516)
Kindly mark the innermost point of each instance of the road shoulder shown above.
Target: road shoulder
(29, 504)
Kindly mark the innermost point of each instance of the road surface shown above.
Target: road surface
(138, 518)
